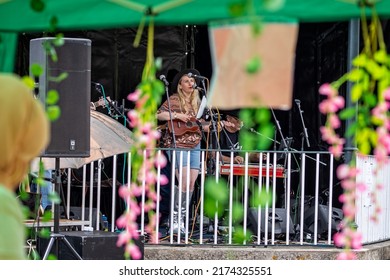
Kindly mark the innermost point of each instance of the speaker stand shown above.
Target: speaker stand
(56, 237)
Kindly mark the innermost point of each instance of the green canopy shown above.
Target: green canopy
(18, 15)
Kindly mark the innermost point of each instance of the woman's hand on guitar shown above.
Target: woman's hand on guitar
(232, 124)
(182, 117)
(238, 159)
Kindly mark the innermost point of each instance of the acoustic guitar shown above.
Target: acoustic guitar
(179, 127)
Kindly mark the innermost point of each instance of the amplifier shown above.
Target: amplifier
(90, 245)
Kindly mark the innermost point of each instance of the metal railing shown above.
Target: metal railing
(303, 209)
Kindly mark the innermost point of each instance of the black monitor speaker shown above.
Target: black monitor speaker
(280, 222)
(70, 133)
(323, 220)
(90, 245)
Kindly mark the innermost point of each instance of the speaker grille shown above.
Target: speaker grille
(70, 134)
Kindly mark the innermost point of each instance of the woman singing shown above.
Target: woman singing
(184, 134)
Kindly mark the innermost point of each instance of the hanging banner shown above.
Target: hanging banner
(233, 46)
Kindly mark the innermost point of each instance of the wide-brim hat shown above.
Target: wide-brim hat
(180, 74)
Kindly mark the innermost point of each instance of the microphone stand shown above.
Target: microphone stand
(280, 131)
(214, 136)
(120, 110)
(285, 148)
(304, 134)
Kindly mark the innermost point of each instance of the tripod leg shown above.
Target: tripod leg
(71, 248)
(49, 246)
(58, 237)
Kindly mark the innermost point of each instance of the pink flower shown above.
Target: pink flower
(339, 102)
(133, 251)
(356, 242)
(348, 184)
(134, 95)
(146, 128)
(123, 238)
(328, 106)
(163, 180)
(334, 121)
(346, 256)
(327, 89)
(339, 239)
(349, 211)
(133, 118)
(160, 160)
(336, 150)
(342, 171)
(386, 94)
(361, 187)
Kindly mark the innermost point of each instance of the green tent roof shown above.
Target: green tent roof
(17, 15)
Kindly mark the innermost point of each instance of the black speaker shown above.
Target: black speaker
(322, 225)
(280, 222)
(90, 245)
(295, 206)
(70, 134)
(75, 213)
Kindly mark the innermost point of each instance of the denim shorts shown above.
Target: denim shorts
(194, 157)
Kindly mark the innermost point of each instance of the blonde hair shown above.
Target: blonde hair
(195, 100)
(24, 129)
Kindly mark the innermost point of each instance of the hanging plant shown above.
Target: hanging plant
(369, 129)
(140, 194)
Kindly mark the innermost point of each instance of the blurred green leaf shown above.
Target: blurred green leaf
(257, 27)
(254, 65)
(239, 236)
(373, 138)
(374, 69)
(216, 197)
(347, 113)
(274, 5)
(237, 9)
(53, 112)
(356, 75)
(36, 69)
(381, 56)
(52, 97)
(44, 233)
(29, 82)
(364, 148)
(370, 99)
(360, 60)
(54, 197)
(59, 78)
(356, 92)
(351, 130)
(237, 212)
(261, 198)
(37, 5)
(262, 115)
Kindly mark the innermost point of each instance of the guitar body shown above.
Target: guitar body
(179, 127)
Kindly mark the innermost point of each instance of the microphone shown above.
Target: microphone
(196, 76)
(98, 86)
(297, 101)
(162, 78)
(195, 86)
